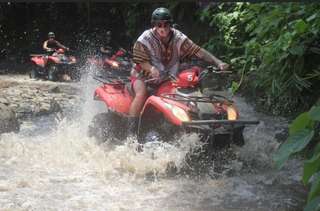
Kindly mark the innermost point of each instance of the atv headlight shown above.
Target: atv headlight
(232, 113)
(115, 64)
(180, 114)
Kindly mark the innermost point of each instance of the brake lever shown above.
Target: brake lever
(215, 69)
(222, 72)
(212, 68)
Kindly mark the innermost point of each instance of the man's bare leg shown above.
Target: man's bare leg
(137, 104)
(140, 96)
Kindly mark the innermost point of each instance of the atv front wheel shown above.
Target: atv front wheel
(33, 74)
(107, 127)
(52, 73)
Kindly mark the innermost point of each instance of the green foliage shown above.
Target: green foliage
(278, 45)
(301, 132)
(313, 205)
(295, 143)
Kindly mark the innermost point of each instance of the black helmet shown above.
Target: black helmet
(161, 14)
(51, 34)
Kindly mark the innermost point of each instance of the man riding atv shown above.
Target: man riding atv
(107, 49)
(51, 45)
(55, 48)
(156, 53)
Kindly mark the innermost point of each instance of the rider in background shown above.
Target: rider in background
(51, 45)
(107, 49)
(158, 51)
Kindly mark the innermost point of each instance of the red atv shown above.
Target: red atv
(177, 105)
(118, 61)
(53, 66)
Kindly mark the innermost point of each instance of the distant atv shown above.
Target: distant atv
(53, 66)
(177, 106)
(121, 60)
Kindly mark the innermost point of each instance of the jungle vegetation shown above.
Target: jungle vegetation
(274, 49)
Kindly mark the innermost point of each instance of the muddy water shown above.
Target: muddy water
(53, 165)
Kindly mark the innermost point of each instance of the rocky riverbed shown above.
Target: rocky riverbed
(22, 97)
(28, 97)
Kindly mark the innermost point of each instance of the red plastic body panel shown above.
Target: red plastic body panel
(161, 105)
(188, 78)
(42, 61)
(167, 87)
(116, 98)
(39, 60)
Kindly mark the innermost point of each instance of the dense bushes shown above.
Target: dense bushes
(274, 44)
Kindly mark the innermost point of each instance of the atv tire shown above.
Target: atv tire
(33, 74)
(238, 136)
(107, 127)
(52, 73)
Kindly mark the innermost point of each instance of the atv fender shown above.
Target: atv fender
(164, 106)
(39, 60)
(116, 99)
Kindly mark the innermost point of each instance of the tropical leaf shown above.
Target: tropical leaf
(295, 143)
(314, 113)
(301, 122)
(315, 187)
(313, 205)
(310, 167)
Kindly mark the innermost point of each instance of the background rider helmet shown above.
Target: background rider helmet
(51, 35)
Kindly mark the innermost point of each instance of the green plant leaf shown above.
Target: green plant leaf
(314, 113)
(313, 205)
(301, 122)
(315, 187)
(317, 149)
(295, 143)
(310, 167)
(300, 26)
(312, 17)
(297, 50)
(234, 87)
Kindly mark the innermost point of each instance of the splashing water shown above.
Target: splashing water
(53, 165)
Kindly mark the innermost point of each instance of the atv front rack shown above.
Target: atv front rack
(203, 99)
(112, 80)
(225, 122)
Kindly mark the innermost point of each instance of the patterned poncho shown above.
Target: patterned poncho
(165, 57)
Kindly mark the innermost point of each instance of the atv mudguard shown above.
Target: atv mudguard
(116, 97)
(39, 60)
(164, 106)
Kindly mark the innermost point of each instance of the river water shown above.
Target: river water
(51, 164)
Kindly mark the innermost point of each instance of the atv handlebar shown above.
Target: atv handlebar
(212, 70)
(215, 69)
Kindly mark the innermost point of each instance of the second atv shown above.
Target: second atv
(53, 66)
